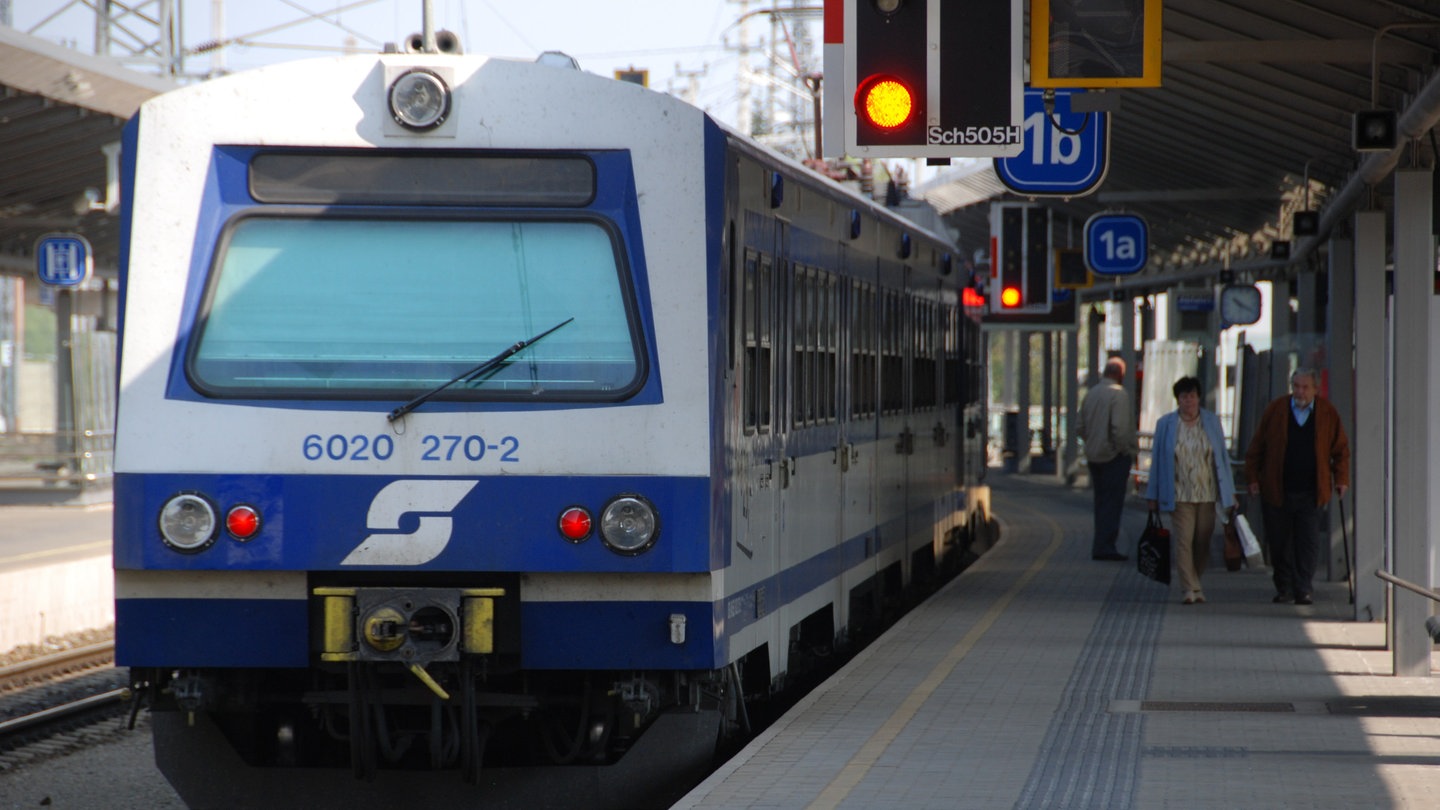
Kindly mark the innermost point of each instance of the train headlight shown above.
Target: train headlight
(188, 522)
(419, 100)
(629, 525)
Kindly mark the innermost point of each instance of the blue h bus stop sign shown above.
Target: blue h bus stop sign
(63, 259)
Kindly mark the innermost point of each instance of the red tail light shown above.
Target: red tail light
(576, 524)
(243, 522)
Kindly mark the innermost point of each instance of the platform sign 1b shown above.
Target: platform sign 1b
(63, 259)
(1066, 153)
(923, 78)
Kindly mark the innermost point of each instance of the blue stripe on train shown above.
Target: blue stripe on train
(619, 635)
(752, 604)
(274, 633)
(505, 523)
(211, 633)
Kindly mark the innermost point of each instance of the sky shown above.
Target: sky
(687, 45)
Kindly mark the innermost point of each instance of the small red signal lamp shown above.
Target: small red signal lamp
(243, 522)
(884, 102)
(576, 523)
(1010, 297)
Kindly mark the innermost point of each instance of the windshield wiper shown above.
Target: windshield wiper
(472, 373)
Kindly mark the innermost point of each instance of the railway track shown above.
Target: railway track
(56, 665)
(56, 703)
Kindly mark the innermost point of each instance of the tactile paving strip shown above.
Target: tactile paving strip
(1091, 756)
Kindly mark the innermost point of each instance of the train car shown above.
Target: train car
(491, 428)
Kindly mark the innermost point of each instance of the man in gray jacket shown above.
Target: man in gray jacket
(1107, 426)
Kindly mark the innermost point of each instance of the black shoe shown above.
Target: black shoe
(1304, 599)
(1112, 556)
(1282, 598)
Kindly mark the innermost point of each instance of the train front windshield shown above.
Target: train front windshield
(330, 307)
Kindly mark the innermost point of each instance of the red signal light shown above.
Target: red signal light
(884, 102)
(243, 522)
(1010, 297)
(575, 524)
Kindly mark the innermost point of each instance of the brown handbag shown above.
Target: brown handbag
(1234, 554)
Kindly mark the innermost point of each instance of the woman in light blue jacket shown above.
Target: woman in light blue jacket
(1190, 478)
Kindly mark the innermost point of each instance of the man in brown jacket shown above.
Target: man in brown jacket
(1298, 455)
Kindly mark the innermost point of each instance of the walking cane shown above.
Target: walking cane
(1345, 541)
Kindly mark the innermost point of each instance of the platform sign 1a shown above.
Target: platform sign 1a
(63, 259)
(1066, 153)
(1116, 244)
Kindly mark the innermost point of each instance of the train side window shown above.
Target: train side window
(922, 358)
(800, 348)
(765, 344)
(950, 384)
(750, 346)
(734, 298)
(863, 351)
(830, 348)
(855, 312)
(892, 353)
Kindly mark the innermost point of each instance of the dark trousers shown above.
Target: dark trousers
(1108, 479)
(1290, 532)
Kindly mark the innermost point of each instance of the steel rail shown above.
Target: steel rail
(23, 671)
(64, 711)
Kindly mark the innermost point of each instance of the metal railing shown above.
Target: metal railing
(80, 458)
(1432, 624)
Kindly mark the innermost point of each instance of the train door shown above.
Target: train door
(758, 454)
(859, 438)
(931, 462)
(894, 437)
(971, 396)
(810, 522)
(948, 428)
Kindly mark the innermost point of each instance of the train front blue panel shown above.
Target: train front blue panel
(211, 633)
(338, 523)
(619, 635)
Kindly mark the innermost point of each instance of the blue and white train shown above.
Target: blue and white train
(479, 413)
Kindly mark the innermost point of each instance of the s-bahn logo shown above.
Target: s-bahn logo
(432, 500)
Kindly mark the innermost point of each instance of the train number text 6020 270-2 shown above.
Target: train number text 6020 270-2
(380, 447)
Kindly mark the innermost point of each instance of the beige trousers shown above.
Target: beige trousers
(1192, 524)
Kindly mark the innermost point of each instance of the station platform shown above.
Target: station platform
(56, 575)
(1042, 679)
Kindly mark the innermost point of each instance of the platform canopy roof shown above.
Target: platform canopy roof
(1256, 103)
(59, 110)
(1256, 97)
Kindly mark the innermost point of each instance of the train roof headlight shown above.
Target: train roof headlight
(629, 525)
(419, 100)
(188, 522)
